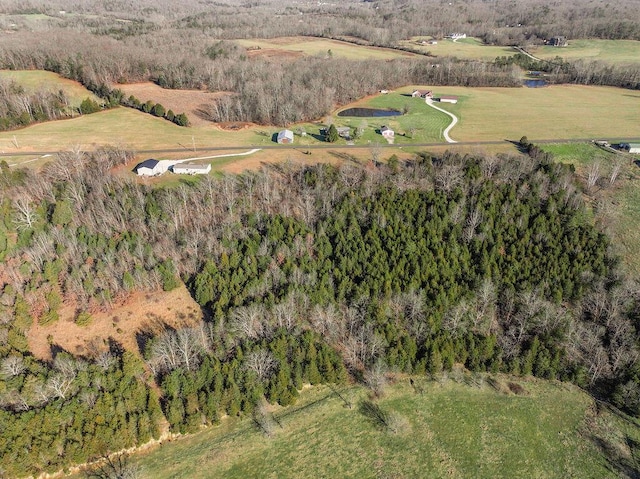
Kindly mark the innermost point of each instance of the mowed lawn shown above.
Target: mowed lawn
(419, 124)
(38, 80)
(450, 431)
(610, 51)
(464, 48)
(321, 46)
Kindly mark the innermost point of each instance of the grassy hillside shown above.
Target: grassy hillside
(466, 48)
(38, 80)
(485, 114)
(451, 430)
(610, 51)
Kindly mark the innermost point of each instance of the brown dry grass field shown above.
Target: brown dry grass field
(180, 101)
(293, 47)
(141, 312)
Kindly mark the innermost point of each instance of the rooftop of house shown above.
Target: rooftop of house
(150, 163)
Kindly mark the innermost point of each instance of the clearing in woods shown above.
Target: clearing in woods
(464, 48)
(609, 51)
(38, 80)
(461, 426)
(192, 102)
(142, 312)
(296, 46)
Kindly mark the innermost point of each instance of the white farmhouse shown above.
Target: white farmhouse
(388, 133)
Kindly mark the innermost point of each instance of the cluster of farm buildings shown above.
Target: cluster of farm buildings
(153, 167)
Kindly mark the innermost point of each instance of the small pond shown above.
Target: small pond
(535, 83)
(369, 112)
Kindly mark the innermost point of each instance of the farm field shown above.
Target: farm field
(122, 126)
(290, 47)
(451, 430)
(180, 101)
(464, 48)
(611, 51)
(555, 112)
(558, 111)
(35, 80)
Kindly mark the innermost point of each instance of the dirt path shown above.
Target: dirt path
(454, 120)
(524, 52)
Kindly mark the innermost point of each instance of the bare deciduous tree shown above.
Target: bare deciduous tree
(261, 362)
(12, 366)
(26, 214)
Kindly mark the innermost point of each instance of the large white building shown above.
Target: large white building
(149, 167)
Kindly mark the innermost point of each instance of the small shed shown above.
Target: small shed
(149, 167)
(422, 94)
(387, 132)
(285, 136)
(191, 169)
(558, 41)
(448, 99)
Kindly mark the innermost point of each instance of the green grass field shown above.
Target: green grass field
(452, 430)
(426, 122)
(558, 111)
(38, 80)
(610, 51)
(464, 48)
(321, 46)
(555, 112)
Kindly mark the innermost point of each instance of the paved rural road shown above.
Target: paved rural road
(304, 148)
(454, 120)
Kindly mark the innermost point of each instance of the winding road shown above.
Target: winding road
(454, 120)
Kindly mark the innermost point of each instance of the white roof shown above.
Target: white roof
(285, 134)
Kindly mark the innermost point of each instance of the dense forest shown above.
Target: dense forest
(309, 275)
(193, 47)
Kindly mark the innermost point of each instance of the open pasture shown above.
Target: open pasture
(452, 430)
(554, 112)
(294, 46)
(610, 51)
(126, 127)
(464, 48)
(39, 80)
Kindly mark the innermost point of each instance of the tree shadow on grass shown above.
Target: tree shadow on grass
(374, 414)
(623, 465)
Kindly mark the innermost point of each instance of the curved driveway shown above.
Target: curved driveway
(454, 120)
